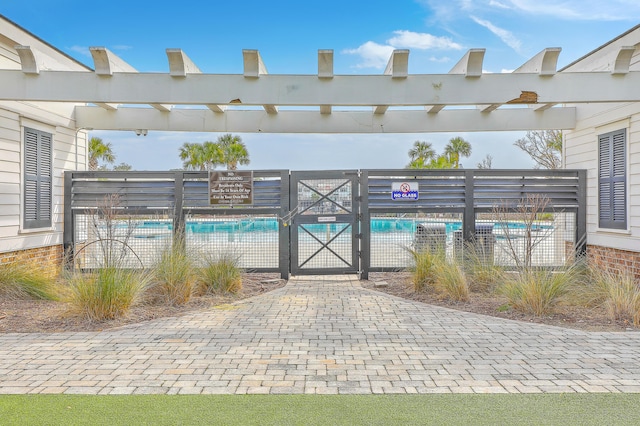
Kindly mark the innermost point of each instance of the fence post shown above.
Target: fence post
(179, 228)
(284, 234)
(365, 226)
(469, 216)
(68, 235)
(581, 219)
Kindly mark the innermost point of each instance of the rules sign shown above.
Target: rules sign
(231, 188)
(404, 191)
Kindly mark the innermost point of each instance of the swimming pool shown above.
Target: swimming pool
(378, 225)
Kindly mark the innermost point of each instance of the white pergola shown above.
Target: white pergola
(118, 97)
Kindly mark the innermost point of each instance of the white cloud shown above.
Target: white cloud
(376, 55)
(424, 41)
(83, 50)
(591, 10)
(499, 5)
(506, 36)
(568, 10)
(121, 47)
(373, 55)
(442, 60)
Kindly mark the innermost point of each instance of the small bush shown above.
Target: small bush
(221, 274)
(25, 279)
(538, 291)
(618, 292)
(423, 268)
(450, 280)
(107, 293)
(174, 277)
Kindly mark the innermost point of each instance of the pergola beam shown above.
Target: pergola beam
(397, 121)
(308, 90)
(325, 72)
(254, 68)
(106, 63)
(397, 68)
(28, 59)
(545, 63)
(325, 63)
(180, 64)
(623, 60)
(470, 65)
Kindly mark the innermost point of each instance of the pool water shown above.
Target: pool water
(378, 225)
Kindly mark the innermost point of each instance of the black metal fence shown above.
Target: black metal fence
(539, 215)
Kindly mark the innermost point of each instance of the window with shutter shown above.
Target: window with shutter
(612, 180)
(38, 152)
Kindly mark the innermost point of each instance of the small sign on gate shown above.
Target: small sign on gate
(231, 187)
(404, 191)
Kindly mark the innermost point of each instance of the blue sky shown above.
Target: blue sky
(288, 35)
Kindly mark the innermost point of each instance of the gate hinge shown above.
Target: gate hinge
(358, 216)
(358, 198)
(359, 236)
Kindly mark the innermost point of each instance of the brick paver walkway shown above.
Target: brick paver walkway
(323, 335)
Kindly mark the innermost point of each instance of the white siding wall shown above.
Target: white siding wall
(55, 118)
(12, 236)
(581, 152)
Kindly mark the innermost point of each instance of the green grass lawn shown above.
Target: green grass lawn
(494, 409)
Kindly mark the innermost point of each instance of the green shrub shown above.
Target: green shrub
(174, 277)
(538, 291)
(26, 279)
(107, 293)
(221, 274)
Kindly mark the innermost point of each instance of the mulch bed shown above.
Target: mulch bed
(35, 316)
(44, 316)
(582, 318)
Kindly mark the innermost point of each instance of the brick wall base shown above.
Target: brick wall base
(614, 260)
(50, 256)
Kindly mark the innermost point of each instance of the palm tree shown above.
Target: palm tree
(439, 162)
(234, 151)
(98, 150)
(212, 155)
(422, 150)
(456, 148)
(418, 163)
(192, 156)
(200, 156)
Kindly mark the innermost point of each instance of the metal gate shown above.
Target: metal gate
(324, 227)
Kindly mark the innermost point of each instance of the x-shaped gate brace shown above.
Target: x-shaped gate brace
(325, 246)
(324, 197)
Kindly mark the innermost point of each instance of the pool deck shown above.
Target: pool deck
(322, 335)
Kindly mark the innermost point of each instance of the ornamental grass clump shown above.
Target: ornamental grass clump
(174, 277)
(538, 291)
(423, 267)
(618, 292)
(482, 273)
(107, 293)
(25, 279)
(450, 280)
(221, 273)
